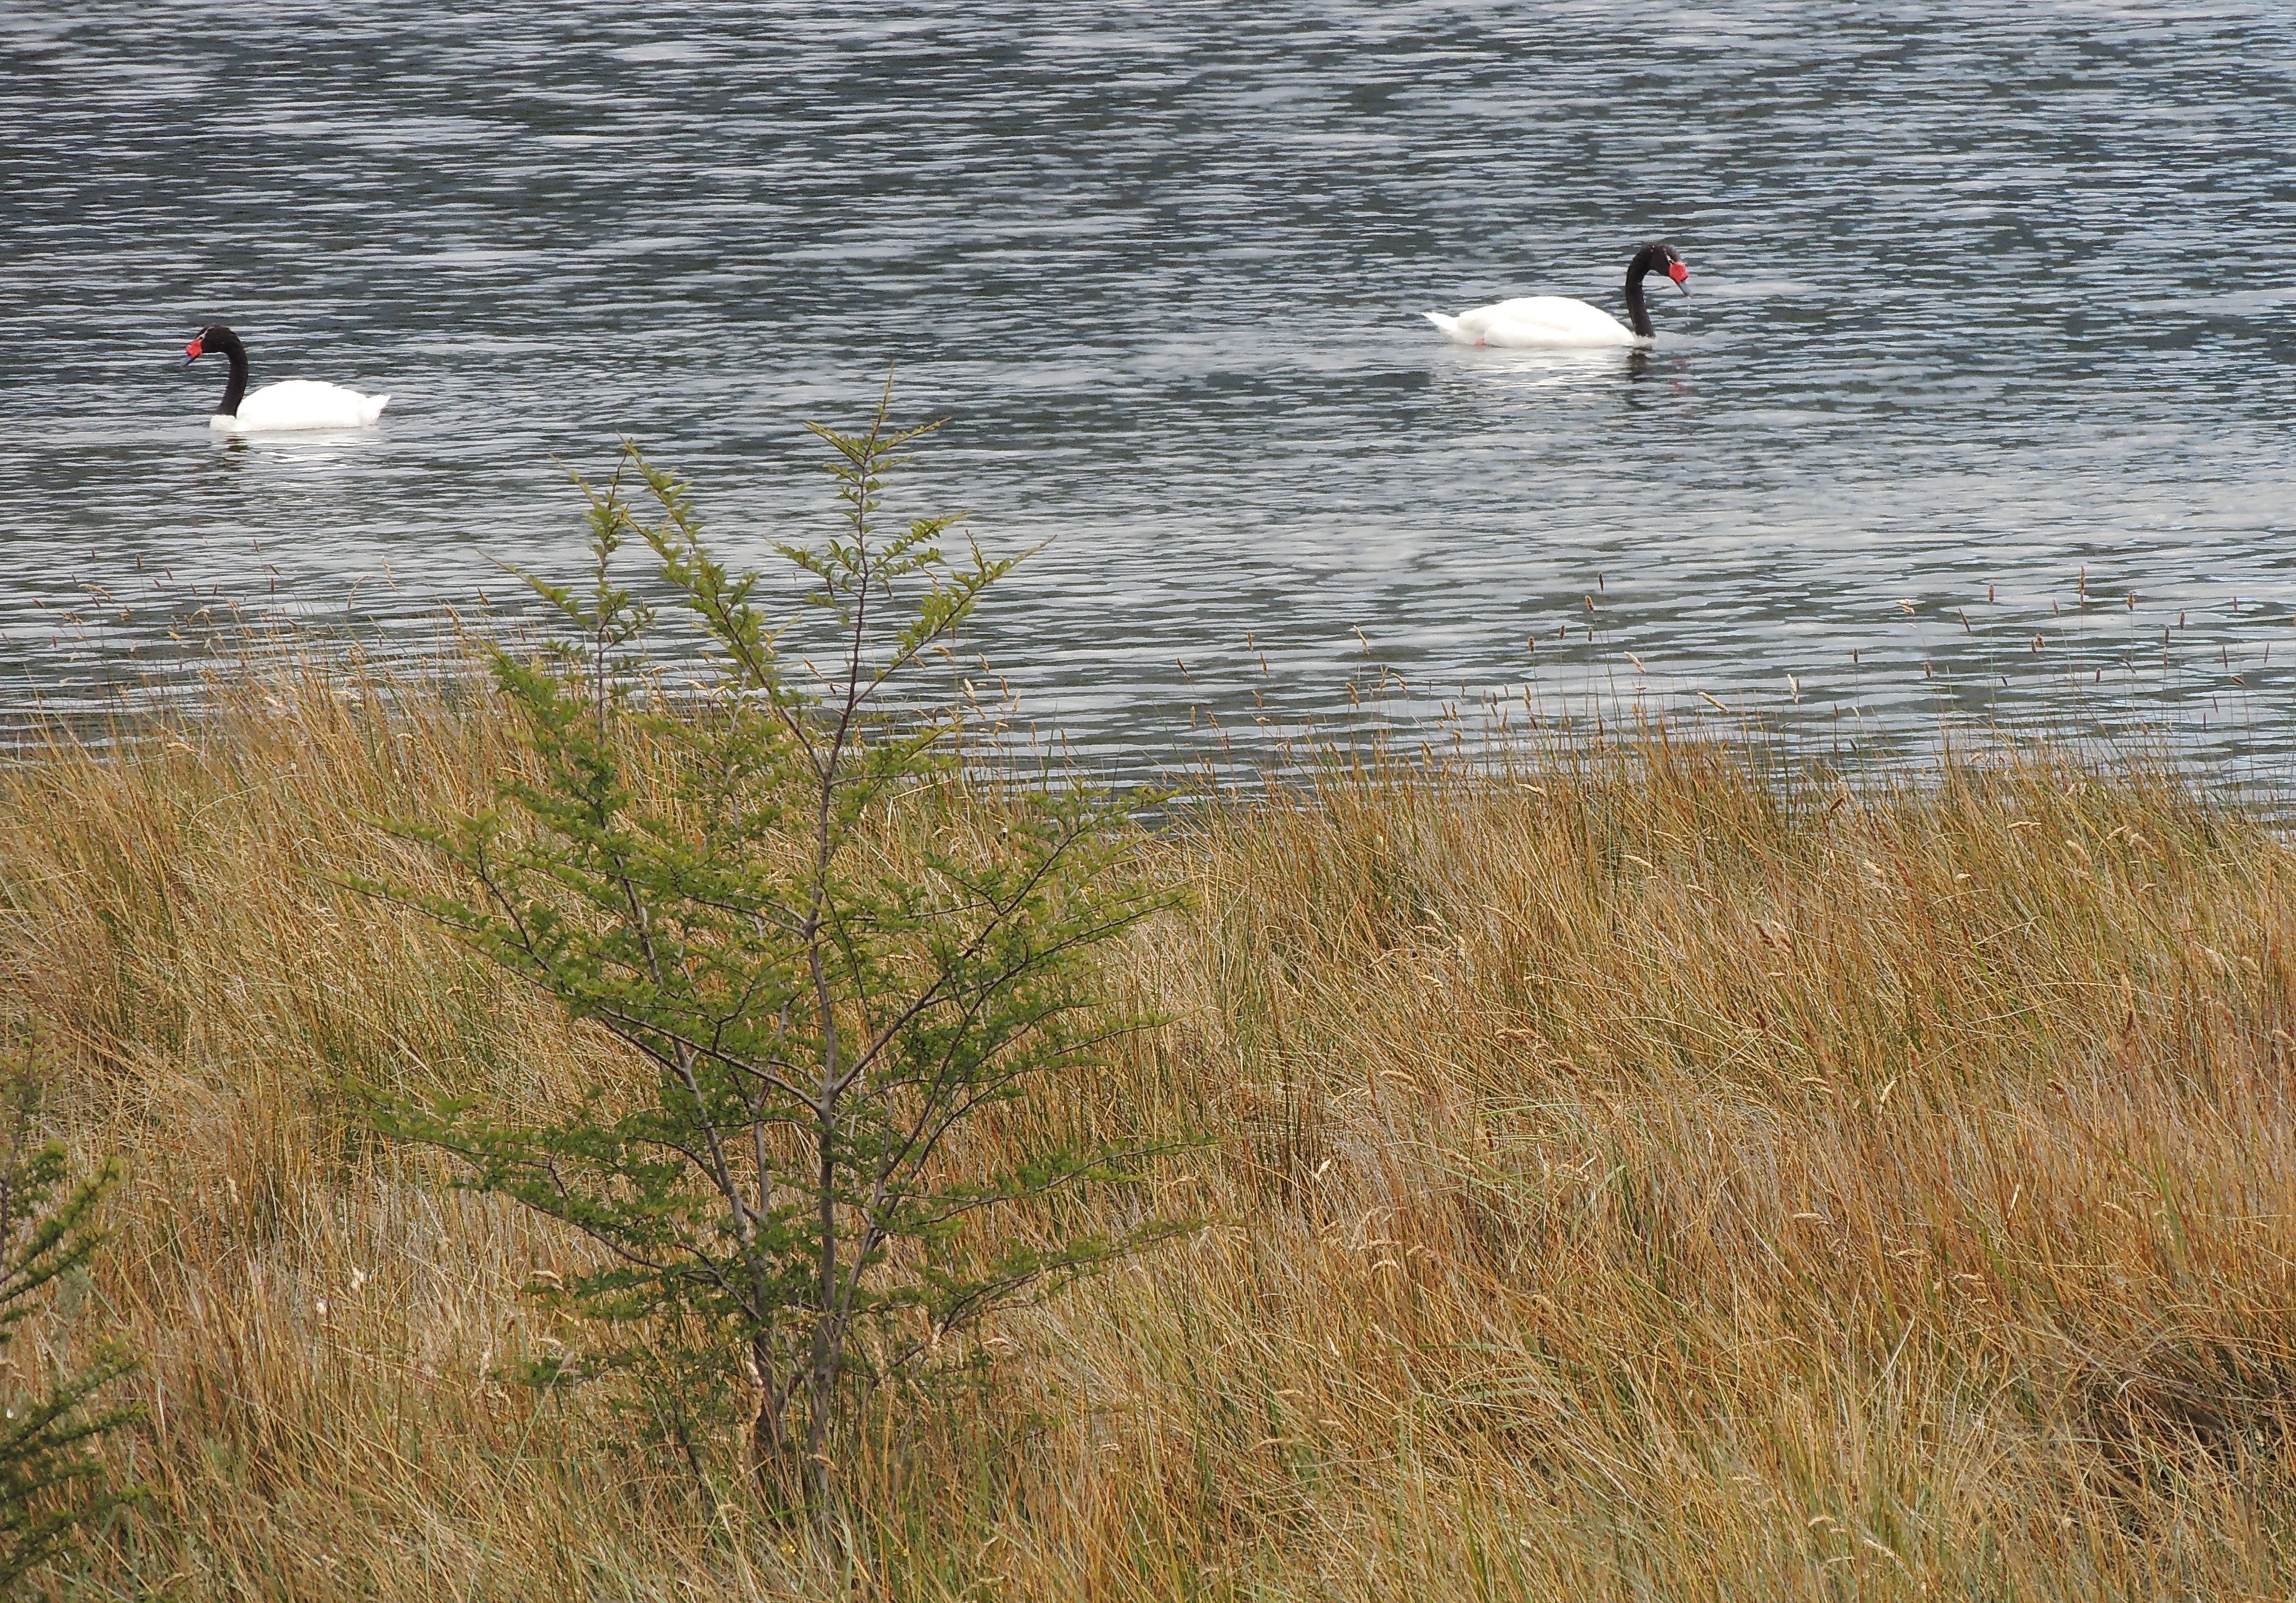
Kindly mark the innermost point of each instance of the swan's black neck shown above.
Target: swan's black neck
(236, 353)
(1638, 313)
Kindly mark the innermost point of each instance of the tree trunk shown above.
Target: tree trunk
(768, 1433)
(821, 1387)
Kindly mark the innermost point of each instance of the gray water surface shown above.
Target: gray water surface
(1980, 405)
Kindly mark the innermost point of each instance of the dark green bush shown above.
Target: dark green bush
(52, 1485)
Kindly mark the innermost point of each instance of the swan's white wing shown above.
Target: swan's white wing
(1540, 320)
(305, 404)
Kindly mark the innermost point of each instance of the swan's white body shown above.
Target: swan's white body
(1536, 320)
(300, 404)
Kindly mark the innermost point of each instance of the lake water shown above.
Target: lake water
(1980, 406)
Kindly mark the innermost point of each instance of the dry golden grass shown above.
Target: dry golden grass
(1628, 1181)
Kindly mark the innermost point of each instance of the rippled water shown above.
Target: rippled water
(1993, 329)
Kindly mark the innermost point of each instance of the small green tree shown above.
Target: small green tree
(836, 955)
(51, 1485)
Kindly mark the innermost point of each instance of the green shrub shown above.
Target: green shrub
(834, 953)
(51, 1484)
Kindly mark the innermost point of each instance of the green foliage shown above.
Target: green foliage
(51, 1485)
(844, 966)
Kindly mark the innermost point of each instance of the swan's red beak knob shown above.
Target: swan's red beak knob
(1679, 272)
(194, 351)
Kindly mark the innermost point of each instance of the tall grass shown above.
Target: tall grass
(1627, 1178)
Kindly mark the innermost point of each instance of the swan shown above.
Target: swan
(295, 404)
(1558, 320)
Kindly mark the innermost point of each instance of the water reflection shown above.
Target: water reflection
(1967, 365)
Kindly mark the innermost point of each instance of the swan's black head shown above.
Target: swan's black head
(1659, 257)
(215, 336)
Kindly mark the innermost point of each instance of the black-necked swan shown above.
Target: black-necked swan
(1558, 320)
(294, 404)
